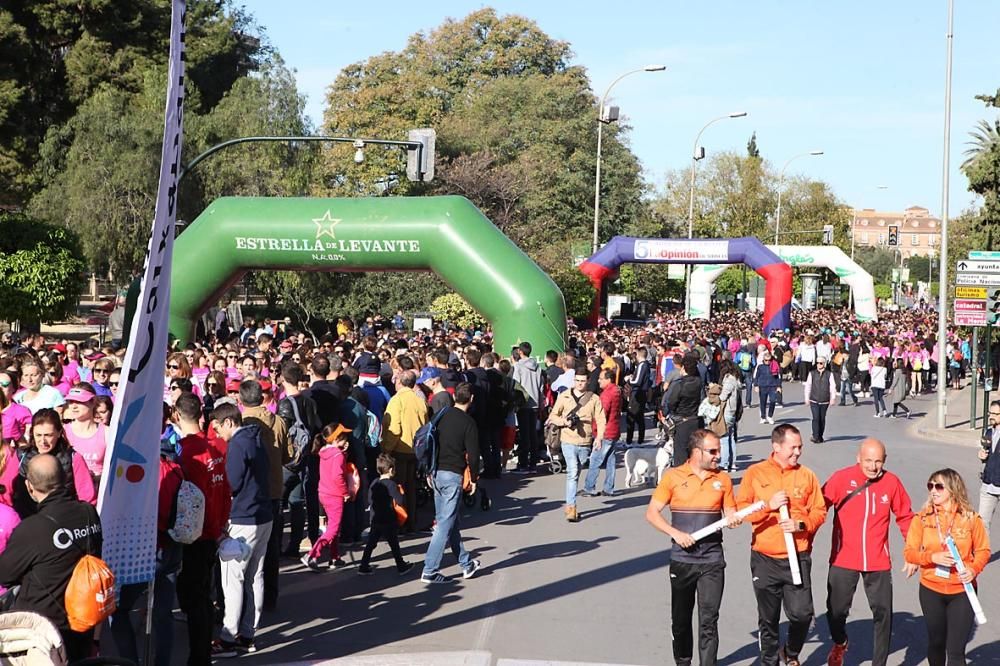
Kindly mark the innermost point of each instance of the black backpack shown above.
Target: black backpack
(425, 444)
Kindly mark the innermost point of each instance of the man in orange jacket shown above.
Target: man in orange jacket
(781, 481)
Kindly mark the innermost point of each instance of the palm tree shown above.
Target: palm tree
(985, 139)
(982, 168)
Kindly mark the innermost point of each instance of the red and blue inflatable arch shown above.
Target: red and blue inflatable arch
(750, 251)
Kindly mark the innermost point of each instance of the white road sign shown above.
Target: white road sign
(978, 279)
(976, 266)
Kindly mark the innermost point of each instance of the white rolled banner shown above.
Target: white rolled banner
(793, 556)
(719, 524)
(970, 591)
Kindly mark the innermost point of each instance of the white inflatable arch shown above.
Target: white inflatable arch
(858, 279)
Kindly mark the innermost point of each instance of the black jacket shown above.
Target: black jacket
(381, 495)
(683, 397)
(43, 551)
(991, 472)
(307, 412)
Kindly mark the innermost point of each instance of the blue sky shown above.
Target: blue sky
(862, 81)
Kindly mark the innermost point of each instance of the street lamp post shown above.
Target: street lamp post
(695, 156)
(942, 383)
(600, 128)
(781, 187)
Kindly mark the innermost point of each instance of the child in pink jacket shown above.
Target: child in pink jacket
(330, 445)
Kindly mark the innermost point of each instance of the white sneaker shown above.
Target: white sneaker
(763, 421)
(877, 415)
(770, 420)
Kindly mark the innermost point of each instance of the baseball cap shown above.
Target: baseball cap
(428, 374)
(94, 356)
(59, 347)
(232, 385)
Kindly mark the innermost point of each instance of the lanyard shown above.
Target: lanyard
(937, 524)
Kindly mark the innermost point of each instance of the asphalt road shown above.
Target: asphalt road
(597, 591)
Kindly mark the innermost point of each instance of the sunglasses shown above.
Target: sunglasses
(113, 383)
(98, 371)
(935, 486)
(5, 384)
(174, 366)
(175, 387)
(230, 355)
(711, 452)
(211, 383)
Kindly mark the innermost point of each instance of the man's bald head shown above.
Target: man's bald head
(871, 457)
(872, 446)
(45, 474)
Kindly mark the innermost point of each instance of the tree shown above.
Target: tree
(40, 271)
(737, 196)
(56, 55)
(516, 130)
(456, 311)
(982, 168)
(105, 161)
(878, 261)
(577, 291)
(752, 150)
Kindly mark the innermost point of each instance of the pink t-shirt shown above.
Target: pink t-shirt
(8, 475)
(91, 449)
(16, 421)
(71, 372)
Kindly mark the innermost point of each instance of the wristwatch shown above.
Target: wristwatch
(800, 526)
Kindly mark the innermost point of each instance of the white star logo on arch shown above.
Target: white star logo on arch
(325, 225)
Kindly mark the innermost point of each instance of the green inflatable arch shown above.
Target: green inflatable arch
(447, 235)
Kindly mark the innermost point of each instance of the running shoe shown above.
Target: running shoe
(471, 570)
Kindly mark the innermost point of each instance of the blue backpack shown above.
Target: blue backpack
(425, 445)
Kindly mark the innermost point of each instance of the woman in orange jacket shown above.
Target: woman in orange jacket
(946, 608)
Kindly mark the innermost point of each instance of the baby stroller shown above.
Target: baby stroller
(28, 639)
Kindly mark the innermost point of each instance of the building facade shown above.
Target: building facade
(919, 232)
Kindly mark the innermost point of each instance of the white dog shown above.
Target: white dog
(642, 461)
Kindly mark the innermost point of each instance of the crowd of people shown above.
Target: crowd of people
(274, 426)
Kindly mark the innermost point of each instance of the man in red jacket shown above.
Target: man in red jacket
(603, 453)
(203, 464)
(862, 497)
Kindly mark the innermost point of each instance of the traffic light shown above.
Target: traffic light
(827, 234)
(992, 304)
(893, 235)
(420, 161)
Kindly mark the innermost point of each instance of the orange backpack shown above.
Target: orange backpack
(401, 514)
(90, 595)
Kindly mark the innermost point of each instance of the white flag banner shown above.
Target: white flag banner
(130, 483)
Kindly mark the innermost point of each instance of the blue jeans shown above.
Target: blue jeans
(847, 389)
(603, 457)
(748, 383)
(728, 452)
(447, 497)
(575, 457)
(768, 396)
(168, 564)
